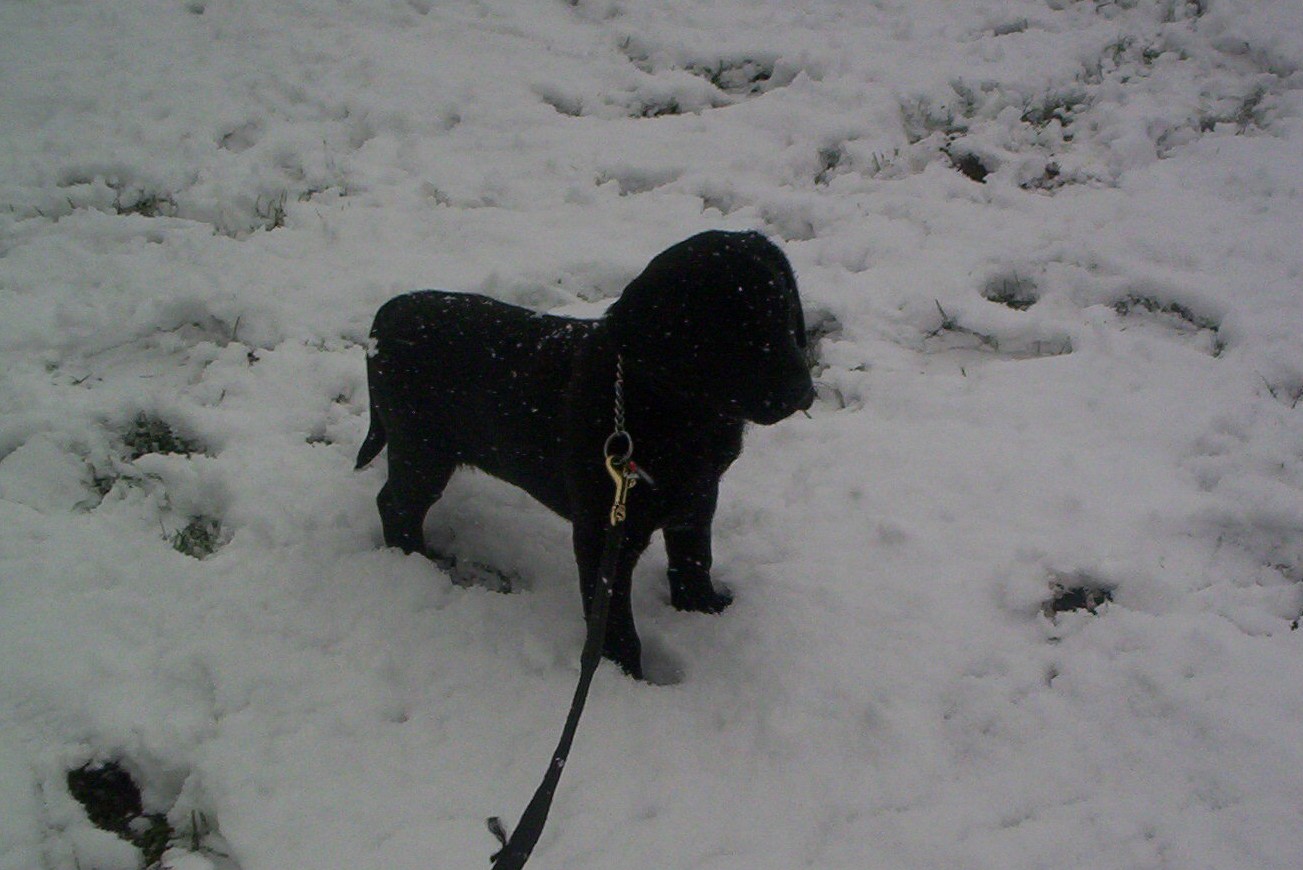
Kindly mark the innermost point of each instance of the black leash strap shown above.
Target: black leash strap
(516, 849)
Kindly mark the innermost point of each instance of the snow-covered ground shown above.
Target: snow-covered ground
(1053, 253)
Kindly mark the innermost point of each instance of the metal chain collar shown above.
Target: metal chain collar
(620, 433)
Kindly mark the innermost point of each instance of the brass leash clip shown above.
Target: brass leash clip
(624, 481)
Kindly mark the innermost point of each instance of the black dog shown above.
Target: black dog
(710, 335)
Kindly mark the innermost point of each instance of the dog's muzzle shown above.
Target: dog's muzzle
(803, 403)
(797, 394)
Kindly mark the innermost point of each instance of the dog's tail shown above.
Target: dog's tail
(374, 441)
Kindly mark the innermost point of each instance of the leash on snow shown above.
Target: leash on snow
(517, 847)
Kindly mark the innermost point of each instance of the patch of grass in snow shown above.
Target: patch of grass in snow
(880, 160)
(948, 121)
(1244, 113)
(1125, 51)
(1050, 179)
(1183, 10)
(117, 190)
(150, 434)
(1174, 314)
(199, 538)
(144, 203)
(820, 323)
(736, 76)
(1069, 592)
(1062, 106)
(1013, 290)
(111, 798)
(658, 108)
(108, 473)
(923, 117)
(829, 159)
(153, 836)
(271, 209)
(965, 123)
(951, 324)
(743, 77)
(967, 163)
(1286, 393)
(953, 336)
(112, 802)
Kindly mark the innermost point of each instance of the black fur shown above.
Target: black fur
(711, 335)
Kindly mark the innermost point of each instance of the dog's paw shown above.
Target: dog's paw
(624, 650)
(703, 600)
(631, 667)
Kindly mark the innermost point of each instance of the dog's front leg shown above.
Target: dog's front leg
(687, 545)
(621, 645)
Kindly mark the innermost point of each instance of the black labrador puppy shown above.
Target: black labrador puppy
(710, 336)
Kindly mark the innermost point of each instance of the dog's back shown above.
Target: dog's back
(481, 380)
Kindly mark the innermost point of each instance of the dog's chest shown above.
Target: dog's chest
(684, 457)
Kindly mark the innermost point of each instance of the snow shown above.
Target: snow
(202, 204)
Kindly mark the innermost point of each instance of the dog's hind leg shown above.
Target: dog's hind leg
(417, 476)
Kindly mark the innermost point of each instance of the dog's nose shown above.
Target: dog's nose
(788, 394)
(800, 391)
(806, 400)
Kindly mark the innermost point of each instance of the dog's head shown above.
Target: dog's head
(717, 318)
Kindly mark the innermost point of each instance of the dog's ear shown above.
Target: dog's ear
(701, 280)
(718, 317)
